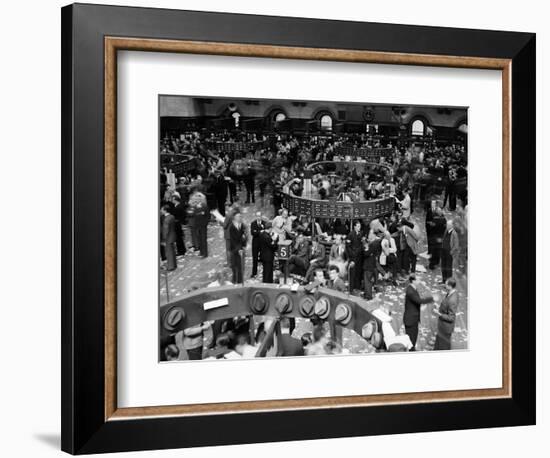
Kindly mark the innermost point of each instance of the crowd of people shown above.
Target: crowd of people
(359, 256)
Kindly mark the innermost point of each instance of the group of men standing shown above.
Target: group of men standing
(264, 244)
(445, 312)
(174, 214)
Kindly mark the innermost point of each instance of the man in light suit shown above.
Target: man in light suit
(411, 317)
(447, 316)
(450, 249)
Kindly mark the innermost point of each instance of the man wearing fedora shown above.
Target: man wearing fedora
(411, 317)
(446, 313)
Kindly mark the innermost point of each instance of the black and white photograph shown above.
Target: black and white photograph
(308, 228)
(252, 227)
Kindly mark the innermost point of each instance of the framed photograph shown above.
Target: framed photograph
(284, 228)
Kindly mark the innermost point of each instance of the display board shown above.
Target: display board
(366, 153)
(333, 209)
(230, 147)
(179, 164)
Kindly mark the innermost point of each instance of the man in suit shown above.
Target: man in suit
(318, 259)
(220, 190)
(438, 230)
(249, 183)
(354, 247)
(237, 244)
(411, 317)
(179, 215)
(286, 344)
(268, 248)
(430, 224)
(450, 249)
(298, 263)
(226, 226)
(256, 227)
(168, 237)
(335, 282)
(199, 215)
(370, 272)
(409, 246)
(447, 316)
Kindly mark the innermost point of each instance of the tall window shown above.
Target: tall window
(417, 127)
(326, 122)
(279, 117)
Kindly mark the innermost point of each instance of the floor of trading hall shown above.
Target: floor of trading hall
(193, 269)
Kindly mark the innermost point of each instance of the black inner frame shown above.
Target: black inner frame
(84, 429)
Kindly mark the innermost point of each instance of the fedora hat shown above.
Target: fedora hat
(368, 329)
(342, 314)
(376, 340)
(322, 307)
(172, 318)
(283, 304)
(259, 303)
(397, 346)
(307, 306)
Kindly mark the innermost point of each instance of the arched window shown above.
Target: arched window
(279, 117)
(326, 122)
(417, 127)
(463, 128)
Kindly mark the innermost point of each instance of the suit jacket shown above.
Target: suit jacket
(220, 188)
(289, 346)
(411, 237)
(354, 245)
(255, 229)
(227, 223)
(320, 254)
(413, 301)
(369, 257)
(438, 229)
(450, 242)
(302, 249)
(180, 213)
(429, 221)
(237, 238)
(168, 234)
(446, 322)
(268, 247)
